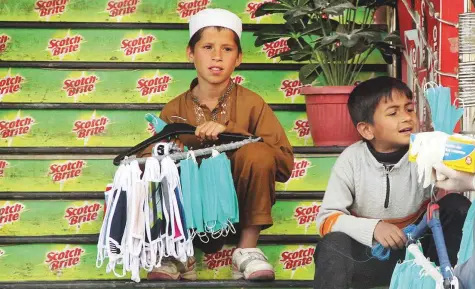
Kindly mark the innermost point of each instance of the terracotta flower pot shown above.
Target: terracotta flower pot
(328, 116)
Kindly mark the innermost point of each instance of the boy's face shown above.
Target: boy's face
(215, 55)
(393, 122)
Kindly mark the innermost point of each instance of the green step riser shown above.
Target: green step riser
(105, 128)
(48, 217)
(30, 263)
(126, 86)
(141, 11)
(107, 45)
(92, 175)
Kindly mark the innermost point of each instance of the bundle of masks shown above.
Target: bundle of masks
(158, 213)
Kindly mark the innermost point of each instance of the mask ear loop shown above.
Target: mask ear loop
(191, 233)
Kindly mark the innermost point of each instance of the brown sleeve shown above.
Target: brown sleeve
(271, 131)
(233, 127)
(165, 114)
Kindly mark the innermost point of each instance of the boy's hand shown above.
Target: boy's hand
(209, 130)
(389, 235)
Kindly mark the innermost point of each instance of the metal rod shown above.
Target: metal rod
(199, 152)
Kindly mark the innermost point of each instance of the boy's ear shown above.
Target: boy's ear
(189, 54)
(238, 60)
(366, 130)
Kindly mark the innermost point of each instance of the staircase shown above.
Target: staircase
(76, 80)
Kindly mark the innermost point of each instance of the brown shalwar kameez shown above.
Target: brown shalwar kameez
(256, 166)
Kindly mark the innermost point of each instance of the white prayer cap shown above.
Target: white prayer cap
(215, 17)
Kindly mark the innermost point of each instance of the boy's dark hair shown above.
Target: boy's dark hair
(366, 96)
(197, 36)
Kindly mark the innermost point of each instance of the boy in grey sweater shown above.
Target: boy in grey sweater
(373, 193)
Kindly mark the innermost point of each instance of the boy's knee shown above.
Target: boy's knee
(333, 243)
(454, 204)
(258, 155)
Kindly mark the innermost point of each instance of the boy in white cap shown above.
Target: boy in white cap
(214, 104)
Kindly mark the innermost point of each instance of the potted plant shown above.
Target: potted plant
(334, 38)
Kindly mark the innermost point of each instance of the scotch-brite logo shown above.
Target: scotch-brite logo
(291, 88)
(68, 258)
(291, 260)
(83, 85)
(155, 85)
(94, 126)
(76, 216)
(50, 8)
(3, 166)
(252, 7)
(61, 47)
(238, 79)
(306, 215)
(300, 168)
(302, 128)
(17, 127)
(10, 213)
(222, 258)
(138, 45)
(4, 39)
(187, 9)
(271, 49)
(119, 8)
(10, 84)
(61, 172)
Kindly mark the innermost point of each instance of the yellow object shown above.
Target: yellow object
(459, 153)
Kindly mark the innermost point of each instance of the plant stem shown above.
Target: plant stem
(325, 68)
(362, 64)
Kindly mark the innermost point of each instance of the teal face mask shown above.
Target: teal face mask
(219, 195)
(466, 246)
(190, 185)
(409, 275)
(157, 123)
(444, 115)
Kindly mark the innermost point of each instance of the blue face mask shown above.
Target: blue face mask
(157, 123)
(219, 195)
(409, 275)
(190, 184)
(444, 115)
(466, 246)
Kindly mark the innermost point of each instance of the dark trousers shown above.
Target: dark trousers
(343, 263)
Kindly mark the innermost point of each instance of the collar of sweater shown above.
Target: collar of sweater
(374, 162)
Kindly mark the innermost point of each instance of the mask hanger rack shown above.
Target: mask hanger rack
(233, 141)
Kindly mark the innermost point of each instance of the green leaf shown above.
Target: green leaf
(338, 7)
(341, 28)
(270, 33)
(308, 73)
(394, 38)
(297, 13)
(329, 39)
(293, 44)
(374, 4)
(319, 4)
(271, 8)
(314, 28)
(302, 2)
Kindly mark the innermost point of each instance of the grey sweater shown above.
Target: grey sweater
(361, 192)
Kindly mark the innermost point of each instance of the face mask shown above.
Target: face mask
(444, 115)
(218, 192)
(410, 275)
(102, 241)
(190, 184)
(157, 123)
(466, 246)
(176, 237)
